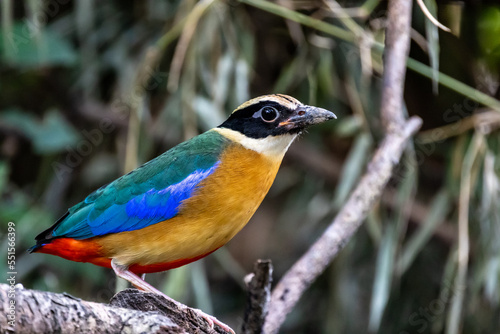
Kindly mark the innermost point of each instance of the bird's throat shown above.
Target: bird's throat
(273, 147)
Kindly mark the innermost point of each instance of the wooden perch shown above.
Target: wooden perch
(131, 311)
(258, 285)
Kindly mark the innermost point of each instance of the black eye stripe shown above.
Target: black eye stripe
(259, 120)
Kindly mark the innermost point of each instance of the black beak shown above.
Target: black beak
(305, 116)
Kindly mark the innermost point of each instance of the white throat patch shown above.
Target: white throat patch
(272, 146)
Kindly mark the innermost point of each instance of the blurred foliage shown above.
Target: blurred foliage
(90, 90)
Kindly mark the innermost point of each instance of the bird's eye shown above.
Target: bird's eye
(269, 114)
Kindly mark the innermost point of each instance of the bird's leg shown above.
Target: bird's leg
(123, 272)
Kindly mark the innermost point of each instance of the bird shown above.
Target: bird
(187, 202)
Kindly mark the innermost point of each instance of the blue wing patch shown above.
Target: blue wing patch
(151, 207)
(165, 202)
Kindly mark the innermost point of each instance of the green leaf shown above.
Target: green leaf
(51, 135)
(432, 33)
(4, 176)
(24, 47)
(383, 278)
(176, 286)
(349, 126)
(437, 213)
(354, 165)
(489, 31)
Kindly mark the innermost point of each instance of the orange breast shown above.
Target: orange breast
(221, 207)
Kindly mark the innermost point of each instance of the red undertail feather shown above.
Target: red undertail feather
(86, 250)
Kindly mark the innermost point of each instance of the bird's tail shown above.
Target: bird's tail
(46, 237)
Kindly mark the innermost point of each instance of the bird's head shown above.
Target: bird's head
(268, 124)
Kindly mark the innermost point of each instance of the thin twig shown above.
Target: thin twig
(348, 22)
(454, 316)
(431, 18)
(490, 119)
(182, 46)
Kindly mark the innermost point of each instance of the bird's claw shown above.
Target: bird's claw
(213, 320)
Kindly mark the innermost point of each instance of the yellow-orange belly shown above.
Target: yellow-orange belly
(220, 208)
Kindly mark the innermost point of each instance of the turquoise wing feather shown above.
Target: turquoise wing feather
(147, 195)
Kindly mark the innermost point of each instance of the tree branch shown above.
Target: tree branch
(138, 312)
(397, 45)
(398, 132)
(258, 296)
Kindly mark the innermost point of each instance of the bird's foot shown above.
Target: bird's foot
(213, 320)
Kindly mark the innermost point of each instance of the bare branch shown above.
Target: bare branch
(368, 192)
(397, 45)
(47, 312)
(258, 297)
